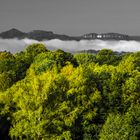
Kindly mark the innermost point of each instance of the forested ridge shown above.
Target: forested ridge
(56, 95)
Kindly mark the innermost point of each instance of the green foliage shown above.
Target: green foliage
(108, 57)
(122, 127)
(33, 50)
(85, 59)
(54, 95)
(131, 91)
(46, 61)
(7, 61)
(6, 80)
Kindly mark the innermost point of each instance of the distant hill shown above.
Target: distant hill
(136, 38)
(12, 33)
(48, 35)
(97, 51)
(43, 35)
(106, 36)
(35, 34)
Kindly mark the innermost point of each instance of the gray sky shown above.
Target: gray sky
(72, 17)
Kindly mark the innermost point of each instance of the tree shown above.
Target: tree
(33, 50)
(131, 91)
(107, 56)
(85, 59)
(122, 127)
(48, 60)
(7, 61)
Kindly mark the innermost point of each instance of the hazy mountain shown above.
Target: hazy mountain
(35, 34)
(136, 38)
(12, 33)
(48, 35)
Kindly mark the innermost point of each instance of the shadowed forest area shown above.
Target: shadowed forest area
(56, 95)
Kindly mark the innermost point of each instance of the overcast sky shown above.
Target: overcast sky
(72, 17)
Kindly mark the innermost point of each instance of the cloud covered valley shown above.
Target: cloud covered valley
(16, 45)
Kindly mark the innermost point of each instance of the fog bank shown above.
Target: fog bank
(16, 45)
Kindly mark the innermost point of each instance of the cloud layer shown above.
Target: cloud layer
(15, 45)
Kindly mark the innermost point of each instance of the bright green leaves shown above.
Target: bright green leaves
(47, 61)
(85, 59)
(122, 127)
(108, 57)
(37, 103)
(131, 91)
(33, 50)
(54, 95)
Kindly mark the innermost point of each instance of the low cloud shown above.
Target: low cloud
(16, 45)
(126, 46)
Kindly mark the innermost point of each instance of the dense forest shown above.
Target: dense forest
(56, 95)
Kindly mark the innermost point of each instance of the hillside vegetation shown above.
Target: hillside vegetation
(55, 95)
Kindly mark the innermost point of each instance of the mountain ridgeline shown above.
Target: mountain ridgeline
(48, 35)
(35, 34)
